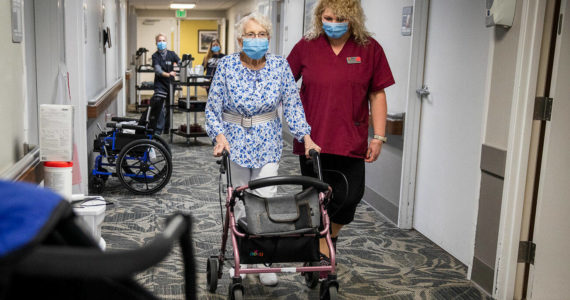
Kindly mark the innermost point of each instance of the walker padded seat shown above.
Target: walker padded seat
(273, 220)
(282, 215)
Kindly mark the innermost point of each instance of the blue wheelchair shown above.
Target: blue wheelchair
(141, 160)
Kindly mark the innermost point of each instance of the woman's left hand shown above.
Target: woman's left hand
(374, 149)
(309, 144)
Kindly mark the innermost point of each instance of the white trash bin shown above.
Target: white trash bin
(93, 213)
(58, 177)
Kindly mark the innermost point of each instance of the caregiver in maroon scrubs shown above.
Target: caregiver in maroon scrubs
(344, 72)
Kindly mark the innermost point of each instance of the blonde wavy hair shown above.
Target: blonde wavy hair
(351, 10)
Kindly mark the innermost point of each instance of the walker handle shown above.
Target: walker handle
(282, 180)
(315, 156)
(225, 166)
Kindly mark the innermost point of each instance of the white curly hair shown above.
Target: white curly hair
(254, 16)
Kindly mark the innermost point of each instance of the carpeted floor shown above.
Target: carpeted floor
(376, 260)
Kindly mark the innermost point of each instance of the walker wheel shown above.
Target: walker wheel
(235, 292)
(328, 291)
(311, 278)
(212, 274)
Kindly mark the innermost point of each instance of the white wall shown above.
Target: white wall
(93, 45)
(292, 25)
(146, 38)
(384, 20)
(12, 100)
(112, 55)
(31, 116)
(74, 43)
(132, 49)
(102, 67)
(50, 52)
(233, 15)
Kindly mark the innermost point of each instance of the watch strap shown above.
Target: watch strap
(381, 138)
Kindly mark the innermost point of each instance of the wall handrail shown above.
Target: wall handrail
(99, 103)
(22, 166)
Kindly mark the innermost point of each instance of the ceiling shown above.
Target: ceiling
(200, 4)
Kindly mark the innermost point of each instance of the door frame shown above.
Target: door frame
(413, 112)
(518, 149)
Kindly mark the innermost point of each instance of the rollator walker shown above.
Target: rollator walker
(281, 229)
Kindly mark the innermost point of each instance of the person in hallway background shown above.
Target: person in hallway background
(344, 71)
(212, 58)
(163, 61)
(253, 83)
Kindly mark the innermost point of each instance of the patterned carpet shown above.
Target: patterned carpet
(376, 260)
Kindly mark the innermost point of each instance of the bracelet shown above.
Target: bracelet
(380, 138)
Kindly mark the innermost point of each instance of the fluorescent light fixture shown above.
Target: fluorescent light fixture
(182, 5)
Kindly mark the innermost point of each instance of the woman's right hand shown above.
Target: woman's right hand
(221, 144)
(309, 144)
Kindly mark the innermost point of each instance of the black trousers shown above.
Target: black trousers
(346, 177)
(159, 118)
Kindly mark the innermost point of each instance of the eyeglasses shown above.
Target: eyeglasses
(252, 35)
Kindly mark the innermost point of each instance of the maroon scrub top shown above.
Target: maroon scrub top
(335, 92)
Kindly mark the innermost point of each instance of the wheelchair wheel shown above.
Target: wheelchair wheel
(144, 167)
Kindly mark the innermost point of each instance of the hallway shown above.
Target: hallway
(376, 260)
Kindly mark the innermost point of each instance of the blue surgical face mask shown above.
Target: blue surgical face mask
(335, 30)
(255, 48)
(161, 45)
(216, 48)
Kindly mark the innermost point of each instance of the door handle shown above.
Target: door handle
(423, 91)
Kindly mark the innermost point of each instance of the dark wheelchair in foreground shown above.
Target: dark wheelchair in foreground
(132, 152)
(46, 254)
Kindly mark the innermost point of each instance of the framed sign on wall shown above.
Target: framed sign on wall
(205, 38)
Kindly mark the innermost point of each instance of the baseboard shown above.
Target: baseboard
(482, 275)
(385, 207)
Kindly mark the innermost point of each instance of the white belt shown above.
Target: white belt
(249, 121)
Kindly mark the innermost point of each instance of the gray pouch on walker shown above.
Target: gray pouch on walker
(289, 214)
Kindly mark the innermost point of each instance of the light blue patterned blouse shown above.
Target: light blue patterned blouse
(239, 90)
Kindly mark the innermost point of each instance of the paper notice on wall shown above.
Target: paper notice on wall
(56, 132)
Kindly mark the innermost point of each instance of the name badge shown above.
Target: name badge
(168, 62)
(353, 60)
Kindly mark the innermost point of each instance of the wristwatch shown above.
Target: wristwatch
(380, 138)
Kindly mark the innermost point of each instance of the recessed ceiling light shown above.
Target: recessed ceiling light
(182, 5)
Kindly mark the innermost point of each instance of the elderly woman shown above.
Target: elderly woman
(345, 72)
(241, 113)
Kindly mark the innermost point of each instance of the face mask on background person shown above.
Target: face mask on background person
(216, 48)
(335, 30)
(161, 45)
(255, 48)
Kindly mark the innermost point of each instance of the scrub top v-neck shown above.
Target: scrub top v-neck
(335, 90)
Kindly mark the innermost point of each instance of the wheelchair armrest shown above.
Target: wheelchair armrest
(130, 126)
(282, 180)
(81, 262)
(123, 119)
